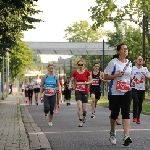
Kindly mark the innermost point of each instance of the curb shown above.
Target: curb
(37, 139)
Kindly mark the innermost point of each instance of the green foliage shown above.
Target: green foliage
(82, 32)
(131, 37)
(109, 11)
(15, 17)
(36, 58)
(20, 58)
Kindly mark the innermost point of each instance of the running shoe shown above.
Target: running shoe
(45, 117)
(134, 119)
(126, 140)
(138, 121)
(42, 100)
(84, 119)
(112, 138)
(58, 106)
(118, 123)
(56, 111)
(80, 124)
(50, 123)
(93, 116)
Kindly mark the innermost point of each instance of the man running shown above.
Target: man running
(67, 91)
(139, 74)
(95, 87)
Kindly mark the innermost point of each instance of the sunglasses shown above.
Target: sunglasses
(80, 64)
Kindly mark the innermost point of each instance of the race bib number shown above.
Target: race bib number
(49, 91)
(122, 86)
(139, 81)
(95, 82)
(80, 87)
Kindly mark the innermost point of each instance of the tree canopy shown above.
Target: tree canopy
(21, 56)
(15, 17)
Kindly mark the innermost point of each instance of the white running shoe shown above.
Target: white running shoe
(84, 119)
(45, 117)
(93, 116)
(50, 123)
(112, 138)
(80, 124)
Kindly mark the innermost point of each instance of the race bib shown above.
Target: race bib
(49, 91)
(123, 86)
(95, 82)
(139, 81)
(80, 87)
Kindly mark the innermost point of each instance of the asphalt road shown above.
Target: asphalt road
(94, 135)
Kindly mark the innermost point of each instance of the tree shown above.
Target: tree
(36, 58)
(15, 17)
(130, 36)
(82, 32)
(20, 58)
(109, 11)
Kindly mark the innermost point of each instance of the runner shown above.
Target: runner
(26, 91)
(95, 87)
(29, 87)
(83, 79)
(37, 83)
(63, 94)
(67, 91)
(58, 95)
(119, 72)
(139, 73)
(49, 83)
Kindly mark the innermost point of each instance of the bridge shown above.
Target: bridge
(71, 48)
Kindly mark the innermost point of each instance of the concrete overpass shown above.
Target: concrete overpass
(71, 48)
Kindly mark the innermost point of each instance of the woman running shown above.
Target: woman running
(37, 83)
(30, 87)
(49, 83)
(83, 79)
(119, 72)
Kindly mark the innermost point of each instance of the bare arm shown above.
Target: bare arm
(70, 83)
(90, 80)
(146, 76)
(58, 84)
(102, 77)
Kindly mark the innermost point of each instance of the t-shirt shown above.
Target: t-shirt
(139, 78)
(37, 83)
(29, 85)
(119, 85)
(80, 81)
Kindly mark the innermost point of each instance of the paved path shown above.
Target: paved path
(12, 131)
(66, 135)
(22, 128)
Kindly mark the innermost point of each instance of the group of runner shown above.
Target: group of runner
(126, 82)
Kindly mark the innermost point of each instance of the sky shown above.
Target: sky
(57, 16)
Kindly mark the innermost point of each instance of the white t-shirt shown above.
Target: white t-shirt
(115, 66)
(139, 78)
(29, 85)
(37, 83)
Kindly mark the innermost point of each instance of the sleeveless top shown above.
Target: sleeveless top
(50, 84)
(96, 84)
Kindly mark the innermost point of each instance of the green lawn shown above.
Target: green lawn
(104, 102)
